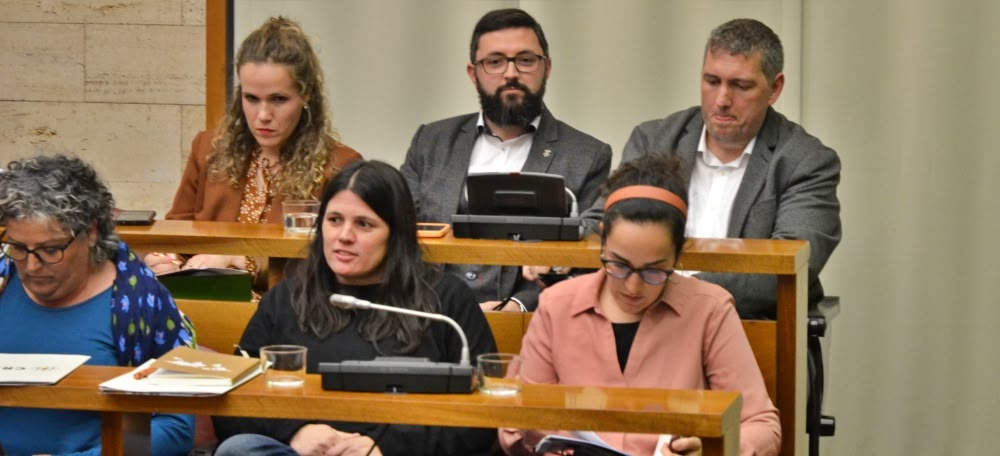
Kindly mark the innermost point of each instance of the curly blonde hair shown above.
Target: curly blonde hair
(305, 155)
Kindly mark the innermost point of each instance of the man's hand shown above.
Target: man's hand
(533, 273)
(511, 306)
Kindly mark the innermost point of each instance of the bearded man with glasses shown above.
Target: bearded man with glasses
(509, 65)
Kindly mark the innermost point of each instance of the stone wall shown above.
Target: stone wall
(118, 83)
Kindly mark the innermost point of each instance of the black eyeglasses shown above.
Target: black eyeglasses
(621, 270)
(525, 62)
(45, 254)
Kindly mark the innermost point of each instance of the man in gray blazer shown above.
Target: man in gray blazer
(753, 172)
(509, 66)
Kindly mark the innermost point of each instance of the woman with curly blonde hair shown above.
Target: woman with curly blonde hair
(277, 143)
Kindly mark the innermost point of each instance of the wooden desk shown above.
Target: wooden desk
(713, 415)
(787, 259)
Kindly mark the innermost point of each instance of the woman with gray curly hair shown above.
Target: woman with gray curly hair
(69, 285)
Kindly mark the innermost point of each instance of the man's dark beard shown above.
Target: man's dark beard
(513, 114)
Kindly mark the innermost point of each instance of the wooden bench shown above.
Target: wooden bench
(219, 325)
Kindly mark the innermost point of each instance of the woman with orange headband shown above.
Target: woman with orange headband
(636, 324)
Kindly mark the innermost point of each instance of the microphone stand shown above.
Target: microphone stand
(398, 374)
(350, 302)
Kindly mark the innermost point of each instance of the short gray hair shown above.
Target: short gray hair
(62, 189)
(745, 37)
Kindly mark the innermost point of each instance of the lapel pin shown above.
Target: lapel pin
(547, 153)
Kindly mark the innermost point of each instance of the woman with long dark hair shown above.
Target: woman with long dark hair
(365, 246)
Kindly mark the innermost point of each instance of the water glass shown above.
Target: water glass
(499, 374)
(300, 215)
(283, 366)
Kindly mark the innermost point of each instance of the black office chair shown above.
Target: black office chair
(818, 424)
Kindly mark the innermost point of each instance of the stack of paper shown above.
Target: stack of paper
(186, 371)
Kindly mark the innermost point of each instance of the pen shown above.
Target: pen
(143, 373)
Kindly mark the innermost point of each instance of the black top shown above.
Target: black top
(275, 323)
(624, 336)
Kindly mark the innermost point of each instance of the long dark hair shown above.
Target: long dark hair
(407, 280)
(657, 170)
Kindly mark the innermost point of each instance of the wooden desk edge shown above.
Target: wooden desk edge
(704, 413)
(763, 256)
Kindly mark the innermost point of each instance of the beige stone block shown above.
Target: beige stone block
(194, 12)
(93, 11)
(192, 122)
(157, 196)
(125, 142)
(41, 62)
(145, 64)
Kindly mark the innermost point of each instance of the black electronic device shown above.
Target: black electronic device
(402, 374)
(525, 194)
(518, 206)
(516, 228)
(398, 374)
(133, 217)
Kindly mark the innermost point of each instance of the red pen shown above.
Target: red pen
(143, 373)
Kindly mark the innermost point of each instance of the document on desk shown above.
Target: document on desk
(583, 443)
(37, 369)
(137, 381)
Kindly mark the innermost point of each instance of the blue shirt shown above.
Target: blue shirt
(85, 328)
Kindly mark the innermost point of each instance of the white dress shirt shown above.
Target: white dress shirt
(712, 191)
(491, 154)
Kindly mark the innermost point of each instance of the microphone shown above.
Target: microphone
(398, 374)
(347, 302)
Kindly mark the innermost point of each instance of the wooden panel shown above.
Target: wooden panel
(216, 29)
(508, 329)
(761, 335)
(218, 324)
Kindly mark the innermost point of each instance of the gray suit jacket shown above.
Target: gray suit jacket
(438, 161)
(789, 191)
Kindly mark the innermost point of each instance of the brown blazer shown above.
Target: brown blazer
(201, 198)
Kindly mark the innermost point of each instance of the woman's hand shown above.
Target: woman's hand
(316, 439)
(215, 261)
(685, 446)
(512, 442)
(355, 445)
(519, 442)
(162, 263)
